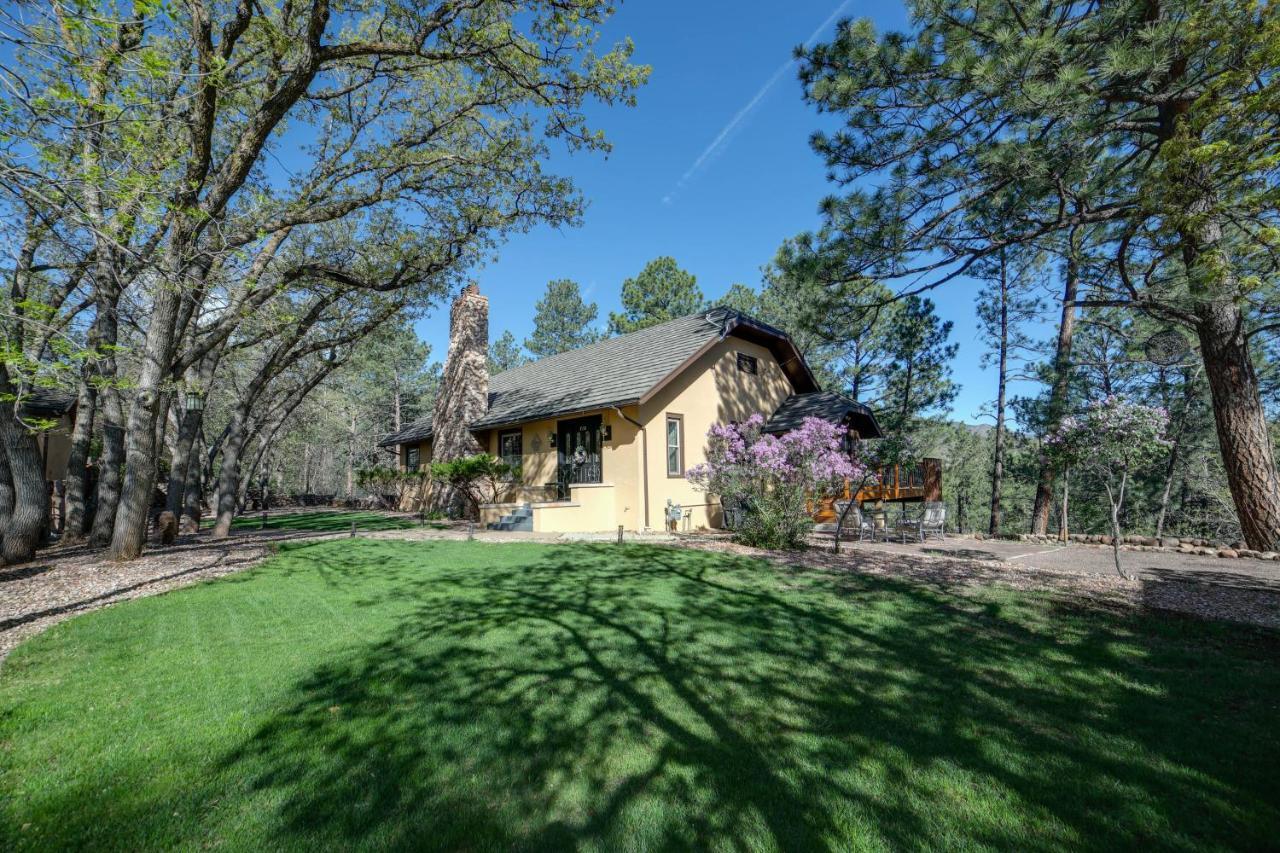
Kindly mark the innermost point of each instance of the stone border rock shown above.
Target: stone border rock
(1166, 544)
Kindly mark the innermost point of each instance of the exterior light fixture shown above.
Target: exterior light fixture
(194, 401)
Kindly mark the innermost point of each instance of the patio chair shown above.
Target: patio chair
(855, 521)
(933, 522)
(907, 526)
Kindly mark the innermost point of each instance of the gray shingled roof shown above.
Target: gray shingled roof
(47, 402)
(827, 405)
(419, 430)
(613, 372)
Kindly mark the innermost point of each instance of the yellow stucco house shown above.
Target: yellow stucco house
(604, 434)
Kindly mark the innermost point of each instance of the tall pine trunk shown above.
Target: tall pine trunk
(1061, 387)
(997, 467)
(1241, 423)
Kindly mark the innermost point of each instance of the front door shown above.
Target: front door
(578, 453)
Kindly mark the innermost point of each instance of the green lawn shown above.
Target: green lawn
(476, 696)
(325, 521)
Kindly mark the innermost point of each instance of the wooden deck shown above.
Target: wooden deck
(898, 484)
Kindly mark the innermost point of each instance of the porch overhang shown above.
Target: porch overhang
(828, 406)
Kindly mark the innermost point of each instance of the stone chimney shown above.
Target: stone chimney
(464, 390)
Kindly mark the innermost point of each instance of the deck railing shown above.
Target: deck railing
(921, 482)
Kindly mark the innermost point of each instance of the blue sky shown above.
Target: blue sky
(712, 167)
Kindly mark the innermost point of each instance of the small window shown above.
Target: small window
(675, 446)
(412, 458)
(511, 448)
(748, 363)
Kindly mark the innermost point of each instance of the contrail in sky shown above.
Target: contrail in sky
(722, 138)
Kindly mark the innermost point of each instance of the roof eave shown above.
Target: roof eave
(802, 379)
(482, 425)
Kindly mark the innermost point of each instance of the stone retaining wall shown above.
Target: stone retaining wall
(1170, 544)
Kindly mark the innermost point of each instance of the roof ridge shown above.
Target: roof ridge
(605, 342)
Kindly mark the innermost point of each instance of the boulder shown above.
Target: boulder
(1170, 542)
(1268, 555)
(1229, 553)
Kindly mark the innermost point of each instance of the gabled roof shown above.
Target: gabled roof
(827, 405)
(419, 430)
(618, 371)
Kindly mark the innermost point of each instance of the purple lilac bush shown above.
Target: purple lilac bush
(775, 477)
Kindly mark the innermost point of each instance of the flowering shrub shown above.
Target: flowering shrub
(1111, 440)
(774, 477)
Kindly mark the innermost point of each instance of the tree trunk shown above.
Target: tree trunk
(1241, 423)
(395, 406)
(351, 459)
(193, 494)
(1061, 387)
(77, 480)
(197, 379)
(110, 467)
(180, 461)
(129, 534)
(7, 497)
(30, 514)
(229, 476)
(1116, 499)
(997, 468)
(1170, 469)
(1064, 531)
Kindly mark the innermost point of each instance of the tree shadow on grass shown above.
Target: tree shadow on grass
(644, 697)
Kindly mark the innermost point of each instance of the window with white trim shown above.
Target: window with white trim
(675, 445)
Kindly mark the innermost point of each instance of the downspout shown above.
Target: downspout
(644, 462)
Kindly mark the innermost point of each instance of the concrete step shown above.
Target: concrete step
(519, 519)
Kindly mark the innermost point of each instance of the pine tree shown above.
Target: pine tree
(562, 320)
(505, 353)
(1153, 121)
(1005, 306)
(662, 291)
(917, 380)
(743, 298)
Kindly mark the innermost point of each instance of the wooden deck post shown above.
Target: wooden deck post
(932, 479)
